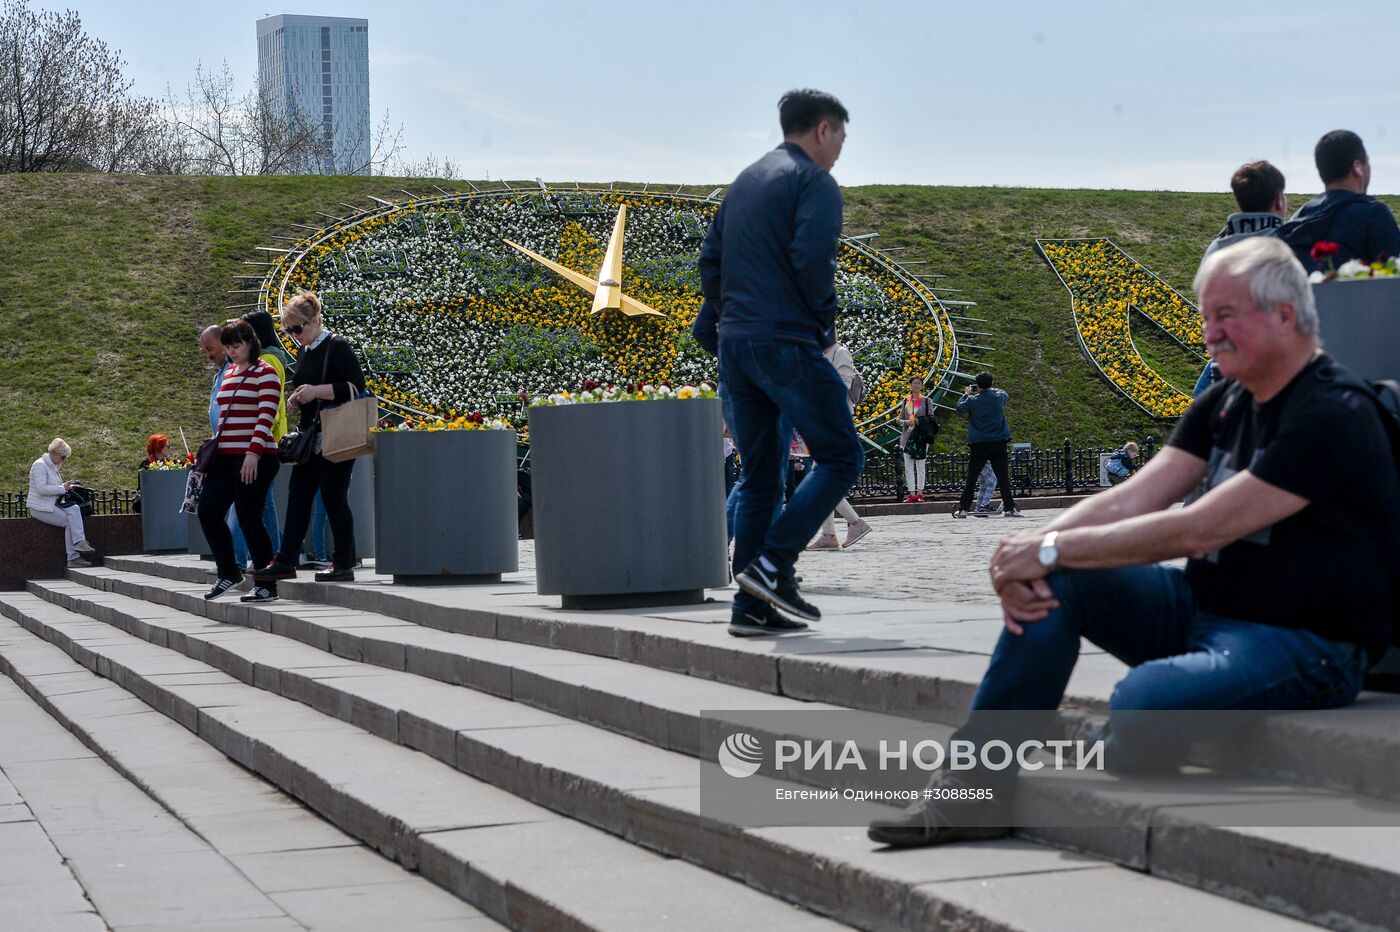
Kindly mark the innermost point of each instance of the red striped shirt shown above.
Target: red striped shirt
(247, 406)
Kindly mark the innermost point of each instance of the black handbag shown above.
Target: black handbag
(926, 430)
(298, 446)
(77, 496)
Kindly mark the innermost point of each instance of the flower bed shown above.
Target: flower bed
(450, 320)
(1105, 285)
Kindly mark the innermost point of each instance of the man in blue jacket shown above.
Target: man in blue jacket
(1361, 226)
(768, 270)
(987, 436)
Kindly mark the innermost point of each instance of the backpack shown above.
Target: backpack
(856, 392)
(1385, 393)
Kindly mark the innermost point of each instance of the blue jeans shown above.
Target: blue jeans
(731, 500)
(274, 531)
(319, 550)
(761, 381)
(986, 486)
(1182, 659)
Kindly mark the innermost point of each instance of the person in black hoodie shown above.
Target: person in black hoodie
(327, 371)
(1361, 226)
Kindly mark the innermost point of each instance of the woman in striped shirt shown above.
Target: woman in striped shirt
(246, 462)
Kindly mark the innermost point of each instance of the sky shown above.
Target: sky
(1140, 94)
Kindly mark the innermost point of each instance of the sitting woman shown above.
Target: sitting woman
(246, 463)
(1122, 464)
(46, 486)
(157, 452)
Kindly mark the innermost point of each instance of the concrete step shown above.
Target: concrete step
(657, 706)
(95, 852)
(868, 673)
(577, 770)
(934, 667)
(519, 863)
(317, 875)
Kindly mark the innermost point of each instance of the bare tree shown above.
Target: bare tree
(225, 132)
(64, 103)
(428, 167)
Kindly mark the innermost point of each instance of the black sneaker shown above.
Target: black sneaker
(762, 619)
(260, 594)
(312, 565)
(778, 590)
(276, 570)
(942, 821)
(336, 574)
(222, 586)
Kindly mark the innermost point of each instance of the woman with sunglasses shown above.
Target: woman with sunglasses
(246, 463)
(327, 371)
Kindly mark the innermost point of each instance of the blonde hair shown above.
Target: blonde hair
(60, 446)
(304, 304)
(1131, 448)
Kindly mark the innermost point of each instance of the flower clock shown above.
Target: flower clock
(1106, 285)
(477, 302)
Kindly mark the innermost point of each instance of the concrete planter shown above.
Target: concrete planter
(628, 502)
(163, 525)
(1360, 325)
(445, 505)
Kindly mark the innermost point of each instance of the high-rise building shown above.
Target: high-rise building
(318, 67)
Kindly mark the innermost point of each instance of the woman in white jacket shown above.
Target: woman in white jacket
(856, 527)
(45, 486)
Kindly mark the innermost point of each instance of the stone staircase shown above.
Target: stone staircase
(544, 766)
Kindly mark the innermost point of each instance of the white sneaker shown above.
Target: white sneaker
(83, 546)
(855, 531)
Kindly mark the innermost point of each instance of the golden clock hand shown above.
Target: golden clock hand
(633, 307)
(583, 281)
(613, 258)
(609, 293)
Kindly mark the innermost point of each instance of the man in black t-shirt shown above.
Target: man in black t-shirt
(1288, 593)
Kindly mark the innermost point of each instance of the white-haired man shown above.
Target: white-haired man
(1288, 594)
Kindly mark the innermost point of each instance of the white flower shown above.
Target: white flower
(1354, 268)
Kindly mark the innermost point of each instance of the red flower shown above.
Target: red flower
(589, 385)
(476, 417)
(1323, 249)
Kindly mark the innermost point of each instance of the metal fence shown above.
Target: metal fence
(1064, 470)
(104, 502)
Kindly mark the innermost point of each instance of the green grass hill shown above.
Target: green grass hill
(106, 280)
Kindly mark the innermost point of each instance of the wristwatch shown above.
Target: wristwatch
(1049, 554)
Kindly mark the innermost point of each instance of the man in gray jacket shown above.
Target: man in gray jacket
(988, 433)
(1258, 188)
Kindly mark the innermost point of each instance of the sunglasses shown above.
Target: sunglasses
(295, 329)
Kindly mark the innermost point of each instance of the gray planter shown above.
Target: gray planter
(445, 506)
(628, 502)
(195, 541)
(199, 545)
(1360, 325)
(163, 526)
